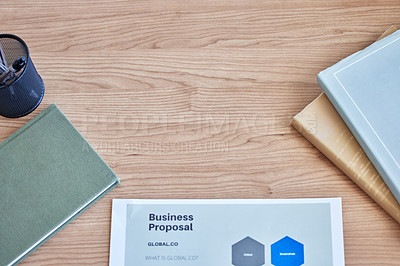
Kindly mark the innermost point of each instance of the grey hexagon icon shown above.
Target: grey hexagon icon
(248, 252)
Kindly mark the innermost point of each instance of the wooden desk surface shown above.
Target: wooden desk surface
(193, 99)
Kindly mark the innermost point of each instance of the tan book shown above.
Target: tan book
(324, 128)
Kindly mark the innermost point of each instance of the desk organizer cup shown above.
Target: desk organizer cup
(22, 90)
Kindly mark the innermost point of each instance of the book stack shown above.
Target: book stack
(355, 123)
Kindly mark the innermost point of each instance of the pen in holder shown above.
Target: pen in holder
(21, 87)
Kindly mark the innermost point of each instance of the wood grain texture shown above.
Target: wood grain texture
(193, 100)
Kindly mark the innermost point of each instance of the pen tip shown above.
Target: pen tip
(19, 63)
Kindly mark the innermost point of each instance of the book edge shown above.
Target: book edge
(364, 137)
(69, 219)
(30, 123)
(372, 48)
(374, 193)
(111, 172)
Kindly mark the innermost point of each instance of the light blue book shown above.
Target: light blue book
(365, 90)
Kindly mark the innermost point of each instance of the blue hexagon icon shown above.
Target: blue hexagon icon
(248, 252)
(287, 252)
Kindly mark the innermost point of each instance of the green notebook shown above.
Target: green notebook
(49, 175)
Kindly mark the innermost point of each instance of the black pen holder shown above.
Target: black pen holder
(21, 95)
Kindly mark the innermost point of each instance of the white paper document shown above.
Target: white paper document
(280, 232)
